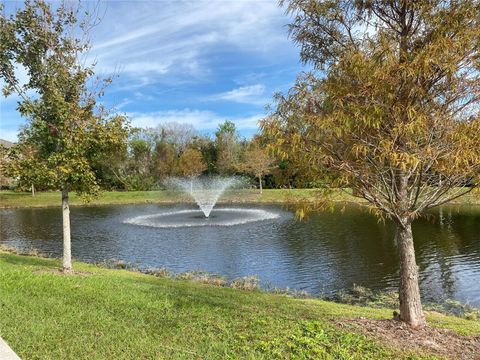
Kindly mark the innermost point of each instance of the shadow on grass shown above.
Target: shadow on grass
(28, 261)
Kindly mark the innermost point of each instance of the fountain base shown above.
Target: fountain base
(189, 218)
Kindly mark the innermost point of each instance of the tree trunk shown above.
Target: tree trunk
(260, 182)
(410, 303)
(67, 250)
(33, 190)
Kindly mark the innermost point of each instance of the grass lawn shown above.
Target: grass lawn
(116, 314)
(53, 198)
(9, 199)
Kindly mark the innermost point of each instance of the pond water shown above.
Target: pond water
(323, 254)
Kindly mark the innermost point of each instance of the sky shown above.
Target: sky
(196, 62)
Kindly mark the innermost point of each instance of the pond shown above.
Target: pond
(323, 254)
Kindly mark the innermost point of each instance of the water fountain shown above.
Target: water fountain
(205, 191)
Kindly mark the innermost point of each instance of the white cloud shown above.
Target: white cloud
(175, 54)
(200, 119)
(178, 37)
(251, 94)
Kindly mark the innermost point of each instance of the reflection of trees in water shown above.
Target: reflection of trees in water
(41, 229)
(343, 249)
(441, 242)
(26, 227)
(354, 248)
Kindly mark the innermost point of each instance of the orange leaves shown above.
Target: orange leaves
(192, 163)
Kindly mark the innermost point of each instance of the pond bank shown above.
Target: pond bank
(12, 199)
(102, 313)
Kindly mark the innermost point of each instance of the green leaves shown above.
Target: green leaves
(64, 135)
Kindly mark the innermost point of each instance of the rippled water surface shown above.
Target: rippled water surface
(325, 253)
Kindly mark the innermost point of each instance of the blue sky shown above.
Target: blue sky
(196, 62)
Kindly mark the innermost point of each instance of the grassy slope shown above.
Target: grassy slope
(15, 199)
(115, 314)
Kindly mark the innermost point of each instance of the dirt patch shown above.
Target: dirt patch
(61, 272)
(442, 342)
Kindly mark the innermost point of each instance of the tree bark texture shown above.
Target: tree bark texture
(67, 250)
(409, 293)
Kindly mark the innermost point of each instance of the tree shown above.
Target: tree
(226, 141)
(191, 164)
(179, 135)
(141, 153)
(171, 140)
(257, 161)
(66, 131)
(390, 109)
(208, 150)
(165, 159)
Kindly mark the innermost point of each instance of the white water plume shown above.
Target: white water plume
(189, 218)
(204, 190)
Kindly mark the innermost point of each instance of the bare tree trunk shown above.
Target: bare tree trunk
(410, 303)
(260, 181)
(33, 190)
(67, 250)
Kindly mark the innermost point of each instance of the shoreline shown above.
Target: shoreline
(151, 315)
(16, 200)
(356, 296)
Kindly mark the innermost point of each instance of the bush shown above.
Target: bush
(249, 283)
(161, 272)
(360, 295)
(456, 308)
(203, 277)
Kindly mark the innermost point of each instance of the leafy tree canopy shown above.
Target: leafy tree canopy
(67, 131)
(391, 109)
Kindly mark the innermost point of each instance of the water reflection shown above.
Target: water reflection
(325, 253)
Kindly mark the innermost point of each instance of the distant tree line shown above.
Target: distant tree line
(149, 156)
(152, 155)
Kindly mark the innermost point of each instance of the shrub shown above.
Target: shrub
(158, 272)
(249, 283)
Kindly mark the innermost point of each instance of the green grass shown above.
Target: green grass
(9, 199)
(116, 314)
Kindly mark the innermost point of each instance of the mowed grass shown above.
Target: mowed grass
(116, 314)
(10, 199)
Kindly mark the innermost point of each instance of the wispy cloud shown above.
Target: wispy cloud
(180, 38)
(251, 94)
(202, 120)
(209, 60)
